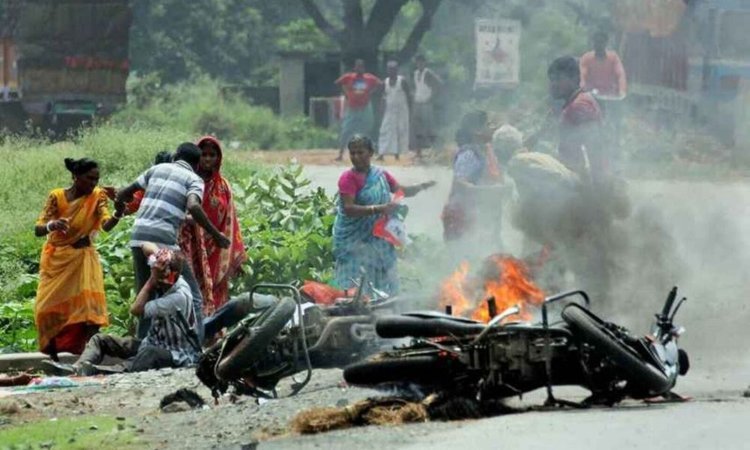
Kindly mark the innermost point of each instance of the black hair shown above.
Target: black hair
(566, 66)
(80, 166)
(361, 139)
(471, 122)
(163, 157)
(177, 261)
(420, 56)
(600, 34)
(188, 152)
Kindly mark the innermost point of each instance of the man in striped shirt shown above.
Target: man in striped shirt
(170, 192)
(172, 338)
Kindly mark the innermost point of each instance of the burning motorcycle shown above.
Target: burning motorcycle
(292, 334)
(496, 360)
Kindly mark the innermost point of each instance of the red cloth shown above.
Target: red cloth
(357, 88)
(132, 206)
(607, 75)
(351, 182)
(212, 265)
(72, 338)
(577, 120)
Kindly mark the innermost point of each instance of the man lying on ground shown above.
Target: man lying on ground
(172, 338)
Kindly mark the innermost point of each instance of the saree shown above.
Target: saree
(355, 249)
(212, 265)
(460, 215)
(356, 121)
(70, 295)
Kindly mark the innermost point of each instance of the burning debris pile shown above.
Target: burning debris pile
(503, 281)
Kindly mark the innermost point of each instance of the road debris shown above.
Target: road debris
(181, 400)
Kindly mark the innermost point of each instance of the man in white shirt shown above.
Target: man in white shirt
(426, 82)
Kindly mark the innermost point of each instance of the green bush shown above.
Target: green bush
(197, 107)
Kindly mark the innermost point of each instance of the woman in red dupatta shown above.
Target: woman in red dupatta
(213, 266)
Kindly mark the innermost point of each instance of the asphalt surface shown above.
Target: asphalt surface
(701, 231)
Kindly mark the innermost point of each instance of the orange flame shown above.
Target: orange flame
(504, 278)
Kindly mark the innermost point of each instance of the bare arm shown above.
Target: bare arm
(139, 305)
(352, 209)
(411, 191)
(407, 92)
(199, 215)
(125, 194)
(622, 79)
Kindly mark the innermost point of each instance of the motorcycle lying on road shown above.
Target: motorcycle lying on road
(489, 362)
(288, 335)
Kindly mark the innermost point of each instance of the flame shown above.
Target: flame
(504, 278)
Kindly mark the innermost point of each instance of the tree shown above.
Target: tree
(360, 37)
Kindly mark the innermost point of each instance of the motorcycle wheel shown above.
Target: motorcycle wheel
(266, 328)
(645, 379)
(422, 369)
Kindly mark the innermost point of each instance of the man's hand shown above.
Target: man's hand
(222, 241)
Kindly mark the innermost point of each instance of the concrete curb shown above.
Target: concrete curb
(13, 362)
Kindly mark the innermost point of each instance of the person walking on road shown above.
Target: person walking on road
(394, 130)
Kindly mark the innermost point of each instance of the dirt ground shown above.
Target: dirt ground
(327, 157)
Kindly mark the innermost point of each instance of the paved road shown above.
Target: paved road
(703, 229)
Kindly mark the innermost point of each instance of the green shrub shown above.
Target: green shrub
(197, 107)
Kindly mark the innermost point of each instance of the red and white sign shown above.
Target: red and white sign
(498, 56)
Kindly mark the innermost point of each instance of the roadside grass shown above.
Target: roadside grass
(33, 167)
(70, 434)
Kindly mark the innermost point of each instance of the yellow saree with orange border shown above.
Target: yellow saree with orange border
(71, 284)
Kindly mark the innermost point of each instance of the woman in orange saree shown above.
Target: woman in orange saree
(213, 266)
(70, 305)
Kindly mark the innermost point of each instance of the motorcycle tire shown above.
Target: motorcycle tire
(252, 346)
(422, 370)
(643, 377)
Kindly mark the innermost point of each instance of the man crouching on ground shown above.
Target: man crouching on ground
(171, 340)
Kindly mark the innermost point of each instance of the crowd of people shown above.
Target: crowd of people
(186, 246)
(186, 242)
(407, 106)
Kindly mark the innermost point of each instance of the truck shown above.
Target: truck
(62, 62)
(691, 58)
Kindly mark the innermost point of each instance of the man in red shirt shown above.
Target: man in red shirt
(602, 70)
(357, 87)
(603, 75)
(580, 147)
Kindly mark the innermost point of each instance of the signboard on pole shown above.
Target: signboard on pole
(498, 56)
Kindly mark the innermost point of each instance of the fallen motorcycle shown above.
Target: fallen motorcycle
(291, 335)
(489, 362)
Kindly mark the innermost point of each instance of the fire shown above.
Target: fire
(502, 277)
